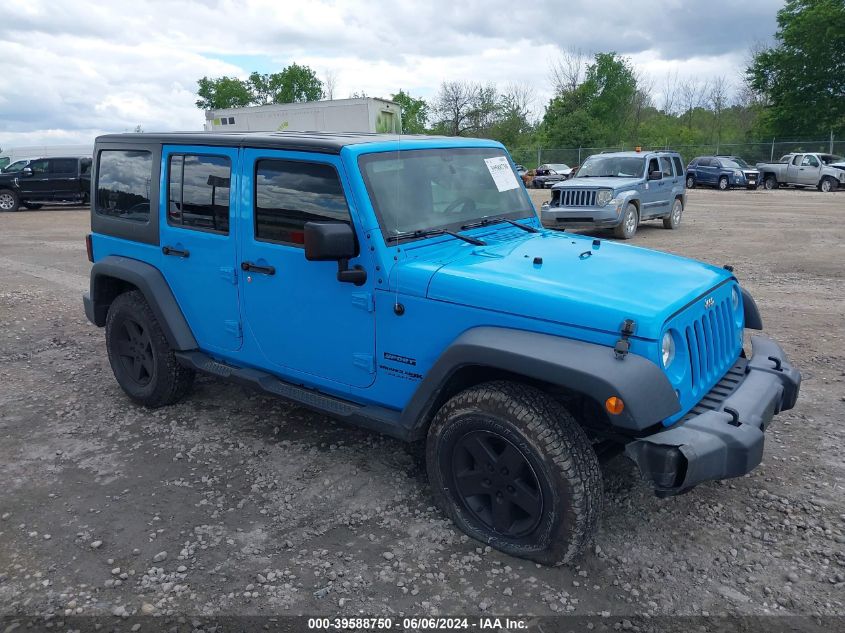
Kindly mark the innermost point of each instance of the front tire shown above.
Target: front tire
(141, 359)
(724, 185)
(827, 185)
(627, 228)
(9, 200)
(673, 220)
(770, 183)
(512, 469)
(690, 182)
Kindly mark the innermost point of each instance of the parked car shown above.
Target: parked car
(826, 172)
(549, 174)
(619, 190)
(406, 286)
(43, 180)
(722, 172)
(520, 170)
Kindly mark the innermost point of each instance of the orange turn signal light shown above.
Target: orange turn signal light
(614, 405)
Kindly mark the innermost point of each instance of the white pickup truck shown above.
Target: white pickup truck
(826, 172)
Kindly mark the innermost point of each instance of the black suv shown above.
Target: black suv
(46, 180)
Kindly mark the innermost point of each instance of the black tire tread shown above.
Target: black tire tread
(562, 441)
(173, 381)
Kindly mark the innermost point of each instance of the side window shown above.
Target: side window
(198, 192)
(653, 165)
(797, 159)
(666, 166)
(85, 169)
(40, 166)
(679, 166)
(123, 184)
(290, 193)
(63, 165)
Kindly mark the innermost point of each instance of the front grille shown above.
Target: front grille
(577, 197)
(713, 399)
(711, 344)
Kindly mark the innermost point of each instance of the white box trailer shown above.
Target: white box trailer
(338, 115)
(14, 154)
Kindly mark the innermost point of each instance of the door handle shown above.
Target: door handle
(175, 252)
(253, 268)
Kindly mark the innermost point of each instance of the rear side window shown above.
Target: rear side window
(85, 169)
(124, 178)
(63, 165)
(198, 192)
(679, 166)
(290, 193)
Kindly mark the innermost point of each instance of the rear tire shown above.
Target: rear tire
(9, 200)
(724, 184)
(673, 220)
(770, 182)
(141, 359)
(627, 228)
(512, 468)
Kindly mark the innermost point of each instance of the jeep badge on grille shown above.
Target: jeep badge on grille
(709, 302)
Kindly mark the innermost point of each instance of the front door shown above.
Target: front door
(651, 198)
(36, 185)
(198, 242)
(809, 173)
(302, 318)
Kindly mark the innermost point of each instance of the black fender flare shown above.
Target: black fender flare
(753, 320)
(587, 368)
(152, 284)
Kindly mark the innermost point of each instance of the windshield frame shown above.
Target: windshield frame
(438, 230)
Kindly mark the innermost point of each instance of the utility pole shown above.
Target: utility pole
(830, 151)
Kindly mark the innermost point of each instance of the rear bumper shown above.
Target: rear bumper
(726, 440)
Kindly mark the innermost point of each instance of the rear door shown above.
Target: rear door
(64, 178)
(198, 240)
(706, 171)
(303, 320)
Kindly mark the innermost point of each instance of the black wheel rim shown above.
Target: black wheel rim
(496, 483)
(135, 351)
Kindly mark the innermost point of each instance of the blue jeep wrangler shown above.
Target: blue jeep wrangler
(619, 190)
(405, 284)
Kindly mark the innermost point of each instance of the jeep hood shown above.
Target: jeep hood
(603, 183)
(566, 279)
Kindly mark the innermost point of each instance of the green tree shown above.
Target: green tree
(414, 112)
(222, 92)
(293, 84)
(802, 77)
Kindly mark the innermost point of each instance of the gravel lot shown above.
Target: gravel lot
(234, 503)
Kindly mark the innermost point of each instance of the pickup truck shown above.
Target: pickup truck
(46, 180)
(826, 172)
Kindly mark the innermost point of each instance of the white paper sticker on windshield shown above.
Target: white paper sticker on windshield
(502, 173)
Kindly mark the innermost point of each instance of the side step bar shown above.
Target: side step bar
(376, 418)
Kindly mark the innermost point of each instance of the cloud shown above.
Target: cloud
(72, 70)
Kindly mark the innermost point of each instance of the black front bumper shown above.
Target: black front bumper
(723, 436)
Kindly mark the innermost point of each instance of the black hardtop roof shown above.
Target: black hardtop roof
(325, 142)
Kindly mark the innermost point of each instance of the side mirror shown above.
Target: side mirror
(655, 175)
(334, 241)
(26, 172)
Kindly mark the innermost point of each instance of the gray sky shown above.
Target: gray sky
(72, 70)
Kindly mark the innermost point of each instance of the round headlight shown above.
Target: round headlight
(735, 299)
(668, 349)
(603, 197)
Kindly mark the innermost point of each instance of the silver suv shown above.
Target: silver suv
(619, 190)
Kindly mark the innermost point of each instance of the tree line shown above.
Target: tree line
(794, 88)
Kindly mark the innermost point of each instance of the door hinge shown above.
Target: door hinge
(233, 328)
(229, 274)
(364, 361)
(363, 300)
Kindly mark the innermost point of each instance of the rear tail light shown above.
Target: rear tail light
(89, 248)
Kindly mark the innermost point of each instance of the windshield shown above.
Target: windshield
(15, 167)
(828, 159)
(733, 163)
(430, 189)
(612, 166)
(558, 167)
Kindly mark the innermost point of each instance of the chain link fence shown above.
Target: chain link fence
(753, 152)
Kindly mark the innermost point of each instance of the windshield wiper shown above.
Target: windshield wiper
(487, 221)
(433, 232)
